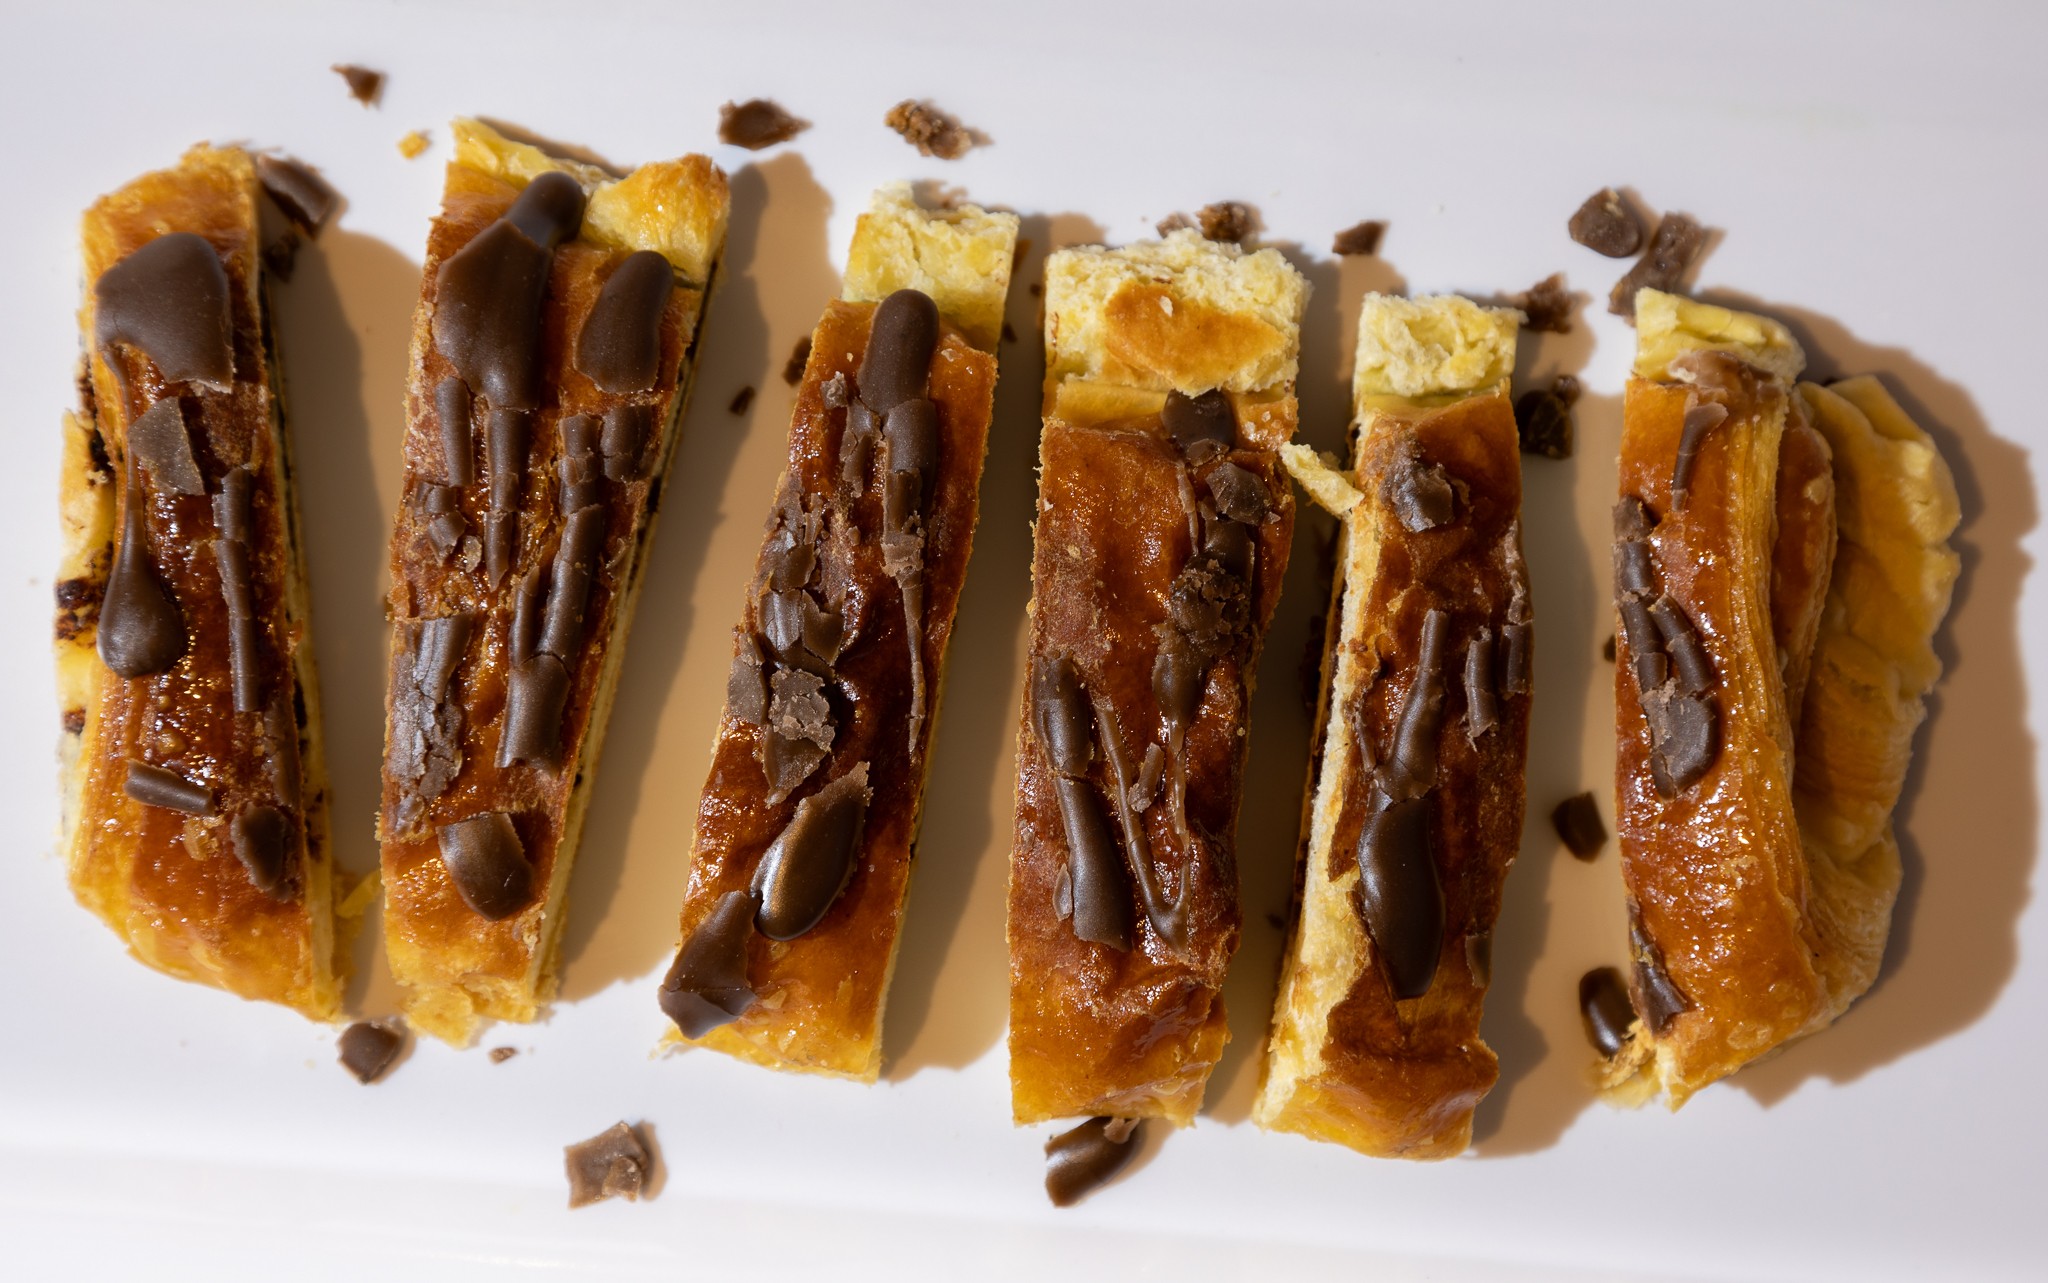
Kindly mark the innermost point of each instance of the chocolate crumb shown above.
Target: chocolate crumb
(74, 721)
(1009, 334)
(1080, 1161)
(1607, 650)
(1548, 305)
(757, 123)
(364, 85)
(1606, 225)
(368, 1047)
(1663, 266)
(1606, 1010)
(931, 131)
(1276, 922)
(499, 1055)
(1227, 220)
(299, 191)
(615, 1163)
(1566, 387)
(799, 357)
(1543, 420)
(1363, 238)
(1037, 289)
(741, 400)
(1577, 821)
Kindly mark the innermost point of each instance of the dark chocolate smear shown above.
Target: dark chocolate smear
(140, 629)
(707, 985)
(1399, 895)
(1411, 765)
(746, 689)
(627, 429)
(1701, 417)
(799, 358)
(536, 693)
(1676, 243)
(1578, 825)
(367, 1049)
(619, 347)
(306, 198)
(426, 726)
(1605, 1009)
(1606, 225)
(1060, 715)
(264, 838)
(155, 786)
(1482, 712)
(810, 862)
(1201, 425)
(162, 445)
(1100, 885)
(757, 123)
(487, 314)
(1081, 1161)
(1656, 996)
(1689, 662)
(549, 210)
(901, 340)
(169, 301)
(1239, 495)
(452, 405)
(487, 863)
(1543, 422)
(1420, 494)
(615, 1163)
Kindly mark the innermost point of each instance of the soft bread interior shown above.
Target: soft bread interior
(961, 256)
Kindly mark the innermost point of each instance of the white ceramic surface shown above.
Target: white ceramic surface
(1878, 174)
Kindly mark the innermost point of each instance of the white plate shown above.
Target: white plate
(1879, 178)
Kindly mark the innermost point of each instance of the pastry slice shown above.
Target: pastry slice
(1781, 566)
(1163, 528)
(195, 798)
(552, 354)
(808, 820)
(1415, 806)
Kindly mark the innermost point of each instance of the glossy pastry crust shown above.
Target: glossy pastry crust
(459, 967)
(170, 884)
(1095, 1030)
(820, 997)
(1348, 1060)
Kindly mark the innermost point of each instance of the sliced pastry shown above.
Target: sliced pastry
(1781, 566)
(1414, 811)
(194, 797)
(1164, 520)
(808, 820)
(552, 353)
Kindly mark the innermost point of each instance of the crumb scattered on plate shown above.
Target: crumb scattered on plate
(931, 131)
(757, 123)
(499, 1055)
(364, 85)
(1674, 248)
(1606, 225)
(615, 1163)
(1360, 238)
(1548, 305)
(369, 1046)
(742, 399)
(412, 144)
(793, 370)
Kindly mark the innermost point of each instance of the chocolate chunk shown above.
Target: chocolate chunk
(1419, 493)
(619, 347)
(368, 1047)
(615, 1163)
(245, 673)
(623, 444)
(1577, 821)
(1689, 662)
(169, 301)
(426, 726)
(802, 633)
(233, 506)
(1209, 605)
(1360, 238)
(757, 123)
(1547, 306)
(1673, 248)
(901, 340)
(1481, 710)
(707, 985)
(741, 400)
(1606, 225)
(487, 314)
(536, 693)
(810, 862)
(1179, 678)
(306, 198)
(264, 839)
(1411, 766)
(1684, 734)
(1635, 569)
(1229, 544)
(799, 357)
(161, 444)
(363, 84)
(1399, 895)
(1632, 518)
(800, 731)
(1081, 1161)
(1100, 884)
(458, 439)
(487, 864)
(1518, 659)
(155, 786)
(1605, 1009)
(1544, 423)
(1701, 417)
(1200, 425)
(1227, 220)
(930, 130)
(746, 690)
(1239, 494)
(1656, 997)
(1059, 714)
(1566, 386)
(569, 594)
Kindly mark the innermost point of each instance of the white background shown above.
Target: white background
(1876, 173)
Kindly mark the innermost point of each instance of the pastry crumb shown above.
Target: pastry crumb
(1360, 238)
(364, 85)
(931, 131)
(499, 1055)
(757, 123)
(412, 144)
(1224, 220)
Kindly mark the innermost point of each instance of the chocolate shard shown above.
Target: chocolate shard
(1150, 772)
(234, 505)
(1081, 1161)
(487, 314)
(306, 198)
(746, 689)
(1632, 518)
(810, 862)
(155, 786)
(1063, 893)
(1100, 885)
(931, 131)
(1543, 422)
(1060, 715)
(487, 864)
(1606, 225)
(1656, 996)
(169, 301)
(1684, 734)
(536, 692)
(452, 406)
(1689, 662)
(549, 210)
(1229, 544)
(1399, 895)
(1420, 494)
(800, 731)
(426, 726)
(707, 984)
(757, 123)
(1645, 645)
(1578, 825)
(1411, 765)
(529, 610)
(1635, 571)
(1604, 1008)
(623, 444)
(265, 839)
(161, 444)
(1701, 418)
(619, 347)
(1202, 425)
(1482, 711)
(1360, 238)
(1518, 659)
(569, 592)
(363, 84)
(1239, 495)
(901, 340)
(615, 1163)
(1676, 243)
(368, 1047)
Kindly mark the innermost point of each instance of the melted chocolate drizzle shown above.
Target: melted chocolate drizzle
(487, 864)
(809, 863)
(707, 984)
(619, 347)
(140, 629)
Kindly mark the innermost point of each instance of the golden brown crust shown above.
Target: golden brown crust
(170, 884)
